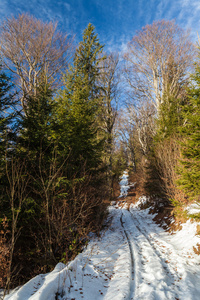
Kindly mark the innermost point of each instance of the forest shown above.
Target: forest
(73, 118)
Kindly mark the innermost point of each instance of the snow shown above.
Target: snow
(193, 209)
(124, 186)
(133, 258)
(142, 200)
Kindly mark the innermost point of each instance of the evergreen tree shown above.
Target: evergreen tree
(169, 118)
(165, 150)
(6, 101)
(54, 167)
(35, 149)
(35, 145)
(77, 107)
(36, 126)
(190, 172)
(86, 62)
(173, 99)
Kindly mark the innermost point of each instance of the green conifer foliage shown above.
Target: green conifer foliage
(173, 99)
(36, 125)
(77, 106)
(169, 118)
(190, 172)
(6, 114)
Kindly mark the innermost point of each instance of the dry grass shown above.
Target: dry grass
(168, 155)
(4, 252)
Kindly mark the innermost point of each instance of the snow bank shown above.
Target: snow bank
(193, 209)
(186, 238)
(141, 201)
(133, 259)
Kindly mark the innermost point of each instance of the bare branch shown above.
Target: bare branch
(158, 59)
(32, 50)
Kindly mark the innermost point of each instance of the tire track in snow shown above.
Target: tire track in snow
(137, 263)
(165, 252)
(172, 277)
(141, 266)
(133, 271)
(156, 250)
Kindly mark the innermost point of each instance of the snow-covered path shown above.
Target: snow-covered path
(133, 259)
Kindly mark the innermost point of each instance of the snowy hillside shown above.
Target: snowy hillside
(132, 259)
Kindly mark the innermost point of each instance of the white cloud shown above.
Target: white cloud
(67, 6)
(188, 16)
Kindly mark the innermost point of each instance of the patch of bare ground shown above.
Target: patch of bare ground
(167, 216)
(116, 190)
(197, 249)
(164, 214)
(136, 189)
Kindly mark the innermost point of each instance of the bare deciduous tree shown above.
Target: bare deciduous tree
(167, 160)
(109, 85)
(18, 180)
(125, 134)
(33, 51)
(142, 120)
(109, 80)
(158, 59)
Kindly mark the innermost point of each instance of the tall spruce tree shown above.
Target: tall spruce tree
(77, 107)
(37, 124)
(35, 150)
(6, 114)
(190, 172)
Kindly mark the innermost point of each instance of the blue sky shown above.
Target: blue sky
(116, 21)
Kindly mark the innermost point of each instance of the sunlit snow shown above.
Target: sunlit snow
(133, 258)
